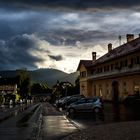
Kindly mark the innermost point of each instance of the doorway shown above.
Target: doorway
(115, 92)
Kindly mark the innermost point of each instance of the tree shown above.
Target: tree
(24, 83)
(38, 88)
(77, 85)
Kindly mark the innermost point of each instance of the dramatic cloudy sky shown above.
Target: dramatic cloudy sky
(58, 33)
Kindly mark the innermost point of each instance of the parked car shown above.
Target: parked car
(132, 100)
(85, 105)
(59, 102)
(70, 100)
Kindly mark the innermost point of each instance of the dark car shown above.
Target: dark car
(86, 105)
(59, 102)
(132, 100)
(70, 100)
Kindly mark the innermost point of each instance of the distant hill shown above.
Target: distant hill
(50, 76)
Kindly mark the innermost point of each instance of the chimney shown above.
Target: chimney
(93, 56)
(129, 37)
(109, 47)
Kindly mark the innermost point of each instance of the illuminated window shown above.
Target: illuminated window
(100, 91)
(136, 89)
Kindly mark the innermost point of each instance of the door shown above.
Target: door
(115, 92)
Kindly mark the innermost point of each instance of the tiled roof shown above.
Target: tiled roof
(86, 63)
(120, 51)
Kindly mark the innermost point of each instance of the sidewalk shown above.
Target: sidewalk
(115, 131)
(55, 124)
(25, 125)
(6, 111)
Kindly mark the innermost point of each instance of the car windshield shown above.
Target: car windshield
(92, 100)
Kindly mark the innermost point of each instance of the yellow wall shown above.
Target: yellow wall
(104, 86)
(126, 86)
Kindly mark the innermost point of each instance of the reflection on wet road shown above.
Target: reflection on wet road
(17, 128)
(121, 113)
(56, 127)
(111, 114)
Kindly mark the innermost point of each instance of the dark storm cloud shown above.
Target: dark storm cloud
(15, 53)
(56, 57)
(71, 36)
(76, 4)
(18, 23)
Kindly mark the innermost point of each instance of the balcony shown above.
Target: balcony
(116, 72)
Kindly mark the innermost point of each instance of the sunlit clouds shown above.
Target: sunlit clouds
(70, 55)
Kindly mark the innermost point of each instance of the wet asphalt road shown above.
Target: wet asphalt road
(15, 128)
(111, 114)
(56, 125)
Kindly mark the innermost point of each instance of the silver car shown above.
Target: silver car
(94, 105)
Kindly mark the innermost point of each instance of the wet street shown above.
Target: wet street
(120, 113)
(19, 125)
(55, 124)
(111, 114)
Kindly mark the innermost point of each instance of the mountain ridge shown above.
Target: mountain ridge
(49, 76)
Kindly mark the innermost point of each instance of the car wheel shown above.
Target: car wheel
(96, 110)
(71, 113)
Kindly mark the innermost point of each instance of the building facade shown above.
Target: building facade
(8, 90)
(114, 75)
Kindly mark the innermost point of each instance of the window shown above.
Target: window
(101, 70)
(107, 68)
(124, 83)
(112, 67)
(98, 70)
(116, 65)
(93, 71)
(136, 89)
(126, 63)
(100, 90)
(121, 64)
(92, 100)
(94, 90)
(104, 68)
(138, 60)
(81, 101)
(83, 74)
(132, 61)
(135, 60)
